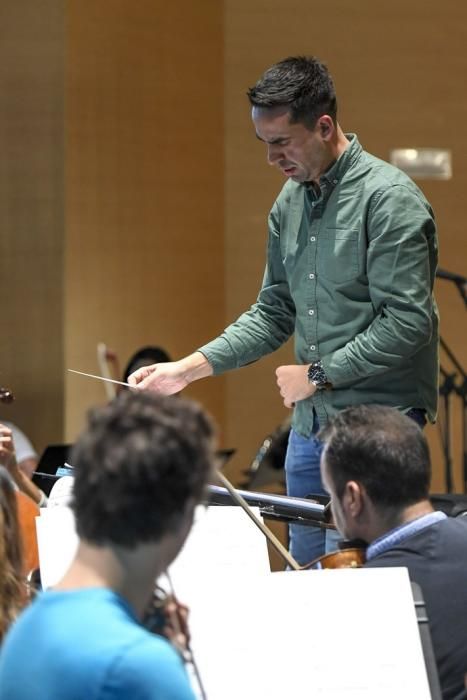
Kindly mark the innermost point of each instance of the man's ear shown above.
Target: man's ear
(354, 498)
(326, 127)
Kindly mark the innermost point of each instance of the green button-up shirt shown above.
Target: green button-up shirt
(350, 271)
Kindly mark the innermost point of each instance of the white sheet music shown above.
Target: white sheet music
(57, 542)
(324, 635)
(223, 543)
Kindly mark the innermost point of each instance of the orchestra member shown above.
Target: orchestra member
(26, 455)
(376, 468)
(12, 462)
(12, 584)
(141, 467)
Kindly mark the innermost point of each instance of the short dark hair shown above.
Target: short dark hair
(147, 355)
(139, 462)
(383, 450)
(300, 83)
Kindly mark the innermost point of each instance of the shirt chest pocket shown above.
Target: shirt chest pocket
(338, 254)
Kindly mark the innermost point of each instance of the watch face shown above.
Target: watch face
(317, 375)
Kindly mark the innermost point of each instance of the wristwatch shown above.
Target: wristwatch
(317, 375)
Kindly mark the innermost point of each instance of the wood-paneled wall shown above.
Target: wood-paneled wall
(139, 215)
(144, 185)
(32, 215)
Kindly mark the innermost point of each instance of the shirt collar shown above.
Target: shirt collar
(337, 169)
(399, 534)
(340, 166)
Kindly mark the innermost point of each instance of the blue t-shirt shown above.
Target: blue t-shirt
(87, 644)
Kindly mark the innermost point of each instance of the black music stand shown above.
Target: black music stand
(52, 459)
(449, 387)
(304, 511)
(425, 638)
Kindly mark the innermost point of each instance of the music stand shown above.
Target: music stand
(450, 387)
(287, 508)
(425, 638)
(46, 474)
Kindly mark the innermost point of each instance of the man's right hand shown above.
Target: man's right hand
(171, 377)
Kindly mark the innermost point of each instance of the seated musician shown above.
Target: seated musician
(26, 456)
(12, 584)
(141, 466)
(10, 459)
(147, 355)
(376, 468)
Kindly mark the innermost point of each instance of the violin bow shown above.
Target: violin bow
(187, 653)
(270, 536)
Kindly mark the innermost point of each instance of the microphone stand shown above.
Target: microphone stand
(445, 390)
(461, 391)
(450, 386)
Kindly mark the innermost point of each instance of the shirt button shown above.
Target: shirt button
(312, 347)
(335, 181)
(311, 276)
(311, 312)
(313, 239)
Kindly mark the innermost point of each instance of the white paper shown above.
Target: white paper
(61, 492)
(57, 542)
(224, 544)
(324, 635)
(347, 634)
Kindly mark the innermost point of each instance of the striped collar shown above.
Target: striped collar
(399, 534)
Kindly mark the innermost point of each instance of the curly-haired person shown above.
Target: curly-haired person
(141, 467)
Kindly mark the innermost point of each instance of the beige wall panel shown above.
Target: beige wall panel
(31, 215)
(399, 69)
(144, 186)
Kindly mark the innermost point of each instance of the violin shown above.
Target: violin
(166, 616)
(6, 396)
(347, 557)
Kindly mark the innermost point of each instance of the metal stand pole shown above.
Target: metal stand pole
(445, 390)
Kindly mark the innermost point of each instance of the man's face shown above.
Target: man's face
(298, 152)
(342, 520)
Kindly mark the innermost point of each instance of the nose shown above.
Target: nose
(273, 154)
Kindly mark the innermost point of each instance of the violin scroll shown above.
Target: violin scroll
(6, 396)
(166, 616)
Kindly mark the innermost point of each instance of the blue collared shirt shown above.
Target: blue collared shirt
(400, 533)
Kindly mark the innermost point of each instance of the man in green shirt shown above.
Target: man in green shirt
(350, 269)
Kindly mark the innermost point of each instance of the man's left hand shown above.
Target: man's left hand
(293, 383)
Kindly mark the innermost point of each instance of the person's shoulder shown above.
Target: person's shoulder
(290, 191)
(288, 202)
(14, 429)
(149, 668)
(441, 539)
(454, 528)
(384, 176)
